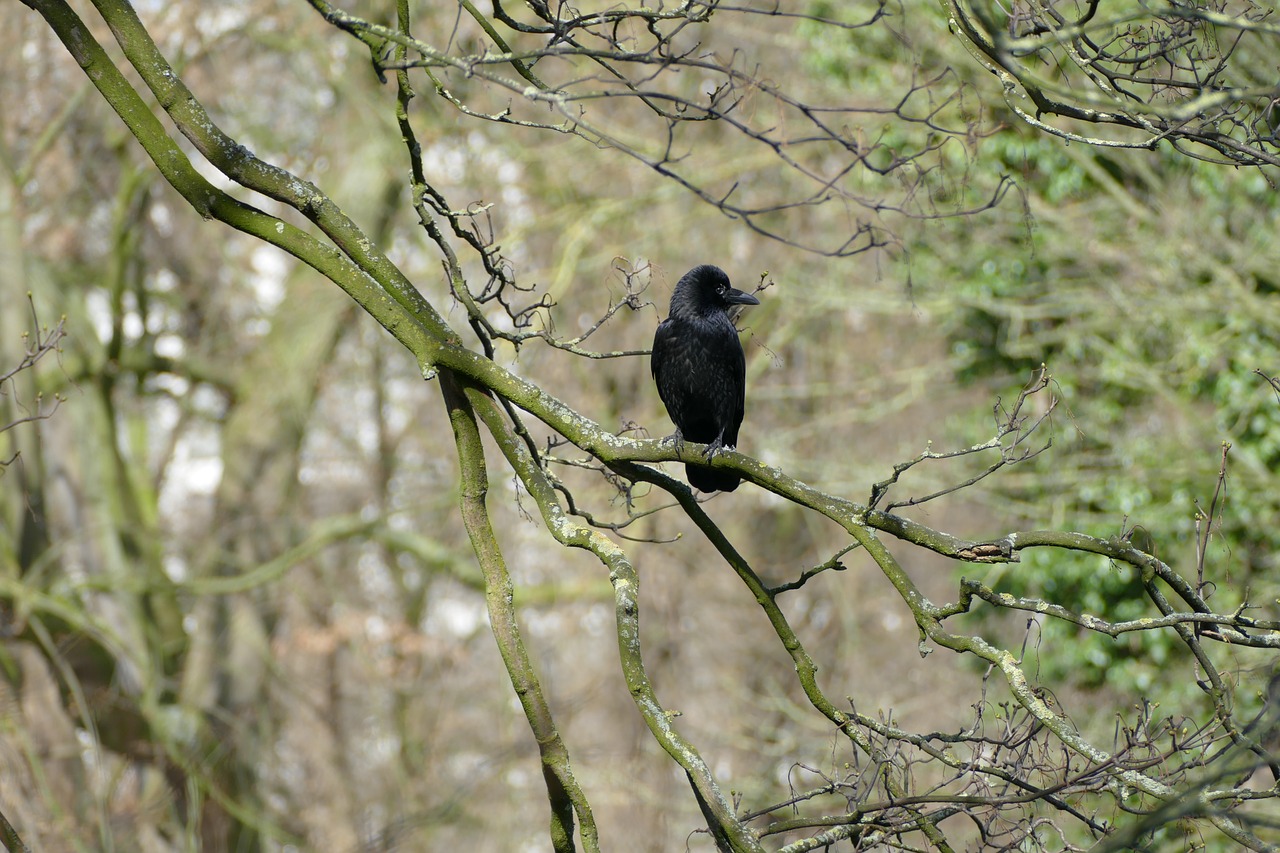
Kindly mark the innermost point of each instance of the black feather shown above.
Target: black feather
(700, 368)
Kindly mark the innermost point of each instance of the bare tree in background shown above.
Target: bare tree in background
(661, 85)
(1136, 75)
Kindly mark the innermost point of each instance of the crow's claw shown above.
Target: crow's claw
(715, 448)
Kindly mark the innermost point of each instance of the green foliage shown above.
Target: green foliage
(1146, 282)
(1147, 285)
(899, 68)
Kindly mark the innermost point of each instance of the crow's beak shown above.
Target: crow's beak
(737, 297)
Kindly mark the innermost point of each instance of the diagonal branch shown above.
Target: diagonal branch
(729, 832)
(565, 794)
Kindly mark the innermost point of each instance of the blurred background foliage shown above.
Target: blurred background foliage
(239, 609)
(1147, 284)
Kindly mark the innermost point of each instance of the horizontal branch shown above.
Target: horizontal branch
(1238, 623)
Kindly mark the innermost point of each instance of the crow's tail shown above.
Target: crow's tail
(711, 480)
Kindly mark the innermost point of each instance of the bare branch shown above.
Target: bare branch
(1185, 73)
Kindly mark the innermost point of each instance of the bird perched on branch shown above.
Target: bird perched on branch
(701, 371)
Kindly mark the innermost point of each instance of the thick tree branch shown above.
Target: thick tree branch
(622, 574)
(565, 794)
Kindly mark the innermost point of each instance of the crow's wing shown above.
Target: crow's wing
(674, 372)
(736, 394)
(700, 372)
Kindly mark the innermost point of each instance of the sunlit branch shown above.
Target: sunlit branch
(970, 589)
(564, 793)
(622, 574)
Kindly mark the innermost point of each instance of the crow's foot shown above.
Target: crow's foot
(715, 448)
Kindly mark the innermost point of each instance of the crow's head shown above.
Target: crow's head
(706, 290)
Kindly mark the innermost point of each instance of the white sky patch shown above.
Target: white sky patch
(170, 346)
(208, 171)
(367, 435)
(199, 474)
(890, 620)
(447, 615)
(257, 327)
(162, 219)
(366, 428)
(209, 402)
(448, 159)
(597, 619)
(220, 19)
(376, 629)
(194, 471)
(175, 568)
(270, 266)
(374, 577)
(166, 412)
(395, 412)
(466, 764)
(534, 845)
(544, 624)
(132, 326)
(165, 281)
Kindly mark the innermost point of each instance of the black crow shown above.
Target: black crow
(700, 369)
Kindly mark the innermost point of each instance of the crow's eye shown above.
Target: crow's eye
(720, 290)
